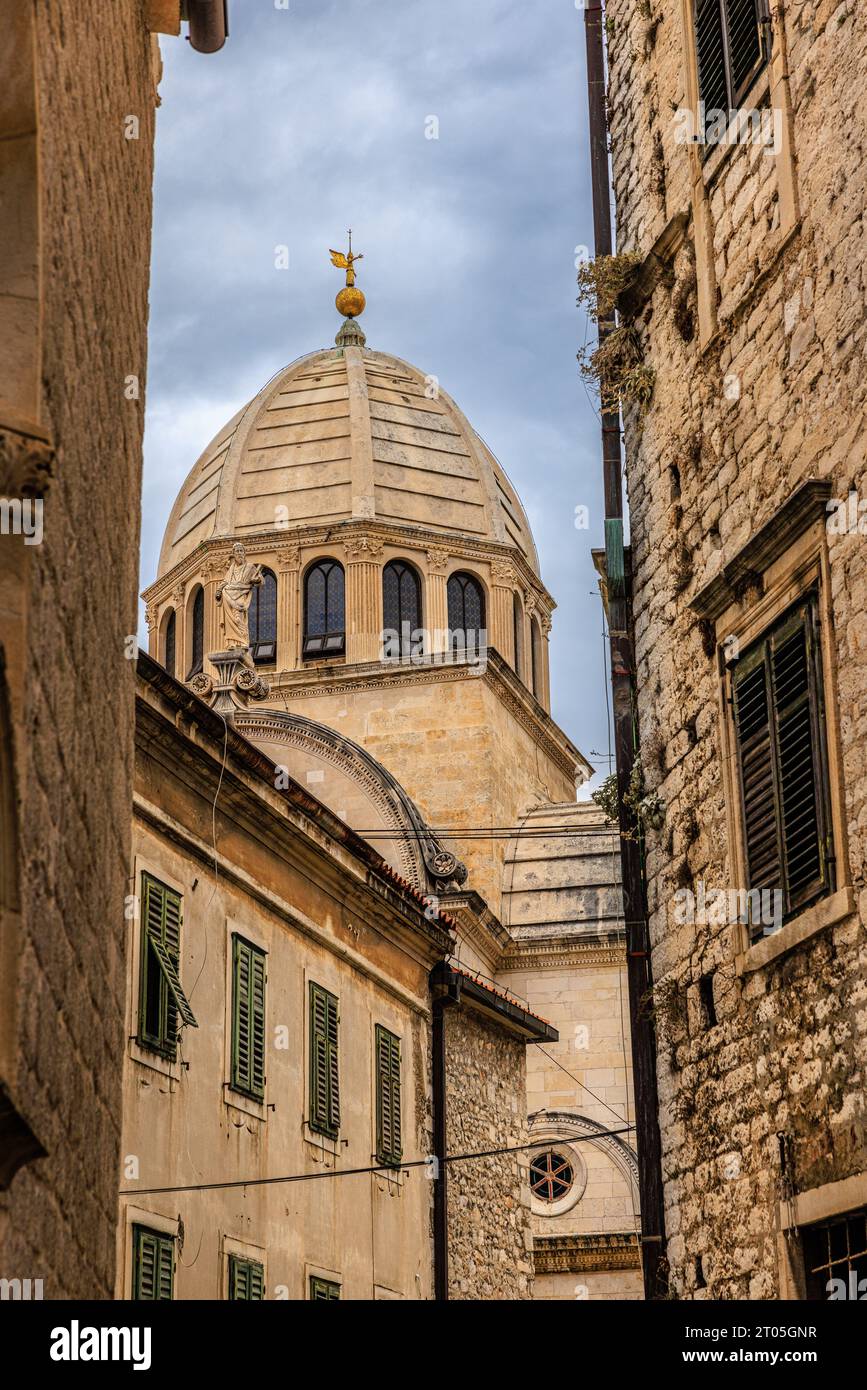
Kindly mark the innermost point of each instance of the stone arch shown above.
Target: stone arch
(360, 790)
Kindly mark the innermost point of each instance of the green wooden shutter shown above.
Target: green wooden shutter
(388, 1125)
(324, 1289)
(248, 1018)
(779, 721)
(246, 1280)
(324, 1062)
(153, 1264)
(161, 996)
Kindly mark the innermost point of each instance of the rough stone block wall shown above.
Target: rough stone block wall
(74, 736)
(705, 468)
(490, 1243)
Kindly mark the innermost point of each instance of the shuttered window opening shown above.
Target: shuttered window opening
(324, 1063)
(246, 1280)
(732, 47)
(779, 718)
(153, 1264)
(162, 1001)
(248, 1018)
(388, 1127)
(324, 1289)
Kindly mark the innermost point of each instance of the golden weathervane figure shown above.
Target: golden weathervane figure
(350, 301)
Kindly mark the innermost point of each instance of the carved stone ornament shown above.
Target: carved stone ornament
(288, 558)
(151, 616)
(503, 573)
(252, 684)
(362, 547)
(26, 464)
(545, 623)
(214, 566)
(202, 685)
(438, 561)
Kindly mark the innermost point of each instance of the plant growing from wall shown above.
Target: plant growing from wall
(647, 808)
(615, 366)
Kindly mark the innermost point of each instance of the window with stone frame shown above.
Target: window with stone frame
(263, 620)
(732, 48)
(778, 708)
(835, 1257)
(324, 610)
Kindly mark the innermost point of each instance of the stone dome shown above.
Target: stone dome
(347, 434)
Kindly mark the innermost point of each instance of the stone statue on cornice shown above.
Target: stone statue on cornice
(234, 595)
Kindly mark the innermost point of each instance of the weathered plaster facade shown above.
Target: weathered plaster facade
(75, 212)
(750, 309)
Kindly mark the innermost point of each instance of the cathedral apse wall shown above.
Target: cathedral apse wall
(747, 481)
(76, 118)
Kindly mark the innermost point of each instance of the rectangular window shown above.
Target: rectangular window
(324, 1288)
(733, 45)
(153, 1264)
(246, 1280)
(161, 998)
(324, 1067)
(835, 1250)
(388, 1131)
(779, 718)
(248, 1018)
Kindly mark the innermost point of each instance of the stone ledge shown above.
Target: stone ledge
(825, 913)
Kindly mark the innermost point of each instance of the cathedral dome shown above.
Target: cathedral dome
(347, 435)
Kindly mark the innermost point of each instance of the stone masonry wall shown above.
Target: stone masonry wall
(73, 725)
(490, 1244)
(777, 395)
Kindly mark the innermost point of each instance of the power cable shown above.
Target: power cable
(354, 1172)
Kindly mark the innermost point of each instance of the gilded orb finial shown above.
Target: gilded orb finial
(350, 301)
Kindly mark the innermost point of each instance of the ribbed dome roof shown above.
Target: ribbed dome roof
(346, 435)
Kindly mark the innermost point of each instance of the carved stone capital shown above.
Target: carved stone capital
(26, 464)
(151, 615)
(545, 623)
(214, 566)
(178, 595)
(288, 558)
(438, 560)
(359, 548)
(503, 573)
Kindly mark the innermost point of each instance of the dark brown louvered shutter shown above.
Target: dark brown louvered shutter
(745, 44)
(758, 778)
(710, 47)
(779, 722)
(802, 782)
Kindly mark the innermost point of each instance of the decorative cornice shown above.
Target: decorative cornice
(806, 505)
(585, 1254)
(565, 950)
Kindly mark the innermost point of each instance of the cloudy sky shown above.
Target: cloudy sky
(313, 118)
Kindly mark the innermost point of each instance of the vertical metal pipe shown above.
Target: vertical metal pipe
(640, 980)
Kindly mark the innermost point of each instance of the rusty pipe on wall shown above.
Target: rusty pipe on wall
(209, 24)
